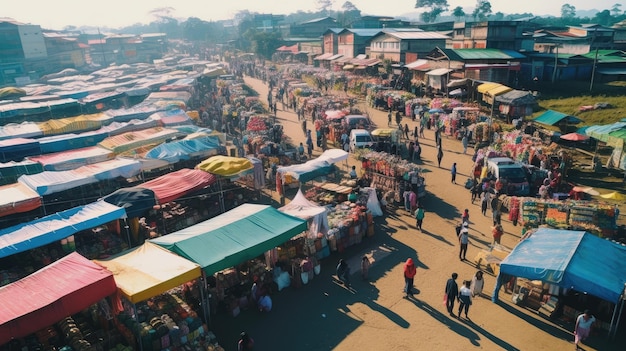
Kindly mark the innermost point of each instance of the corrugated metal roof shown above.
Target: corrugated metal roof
(416, 65)
(439, 72)
(417, 35)
(363, 32)
(476, 54)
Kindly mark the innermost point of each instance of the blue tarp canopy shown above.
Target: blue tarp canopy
(46, 230)
(135, 200)
(551, 118)
(603, 132)
(18, 148)
(570, 259)
(231, 238)
(185, 149)
(71, 141)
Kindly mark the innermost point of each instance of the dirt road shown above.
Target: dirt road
(323, 315)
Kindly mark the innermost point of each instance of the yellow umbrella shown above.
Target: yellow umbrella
(613, 196)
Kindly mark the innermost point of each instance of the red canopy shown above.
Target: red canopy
(45, 297)
(173, 185)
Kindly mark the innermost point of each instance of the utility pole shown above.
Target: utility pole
(556, 62)
(595, 61)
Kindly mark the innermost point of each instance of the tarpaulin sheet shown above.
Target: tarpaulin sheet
(173, 117)
(117, 128)
(234, 237)
(72, 159)
(321, 166)
(43, 299)
(72, 124)
(21, 130)
(50, 182)
(225, 166)
(18, 148)
(570, 259)
(64, 142)
(551, 118)
(135, 112)
(46, 230)
(173, 185)
(149, 270)
(10, 171)
(132, 140)
(135, 200)
(17, 198)
(185, 149)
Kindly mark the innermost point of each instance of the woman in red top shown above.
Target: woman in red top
(497, 233)
(409, 274)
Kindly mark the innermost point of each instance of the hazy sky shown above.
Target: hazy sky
(56, 14)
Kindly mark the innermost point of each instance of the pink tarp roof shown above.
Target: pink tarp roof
(72, 159)
(173, 185)
(42, 299)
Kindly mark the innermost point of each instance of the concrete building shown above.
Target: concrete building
(574, 40)
(504, 35)
(22, 51)
(404, 46)
(353, 42)
(314, 28)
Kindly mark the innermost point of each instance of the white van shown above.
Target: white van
(360, 138)
(511, 171)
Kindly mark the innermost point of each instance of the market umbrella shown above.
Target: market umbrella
(574, 137)
(613, 196)
(587, 190)
(435, 110)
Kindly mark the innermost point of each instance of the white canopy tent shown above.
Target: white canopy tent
(315, 215)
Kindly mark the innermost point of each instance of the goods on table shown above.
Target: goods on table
(391, 173)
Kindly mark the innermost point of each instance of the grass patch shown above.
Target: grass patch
(567, 98)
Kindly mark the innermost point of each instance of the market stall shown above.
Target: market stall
(161, 299)
(84, 283)
(392, 175)
(18, 198)
(233, 237)
(594, 217)
(58, 226)
(321, 166)
(568, 260)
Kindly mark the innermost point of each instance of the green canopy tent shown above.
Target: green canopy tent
(234, 237)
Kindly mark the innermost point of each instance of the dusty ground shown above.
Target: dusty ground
(324, 316)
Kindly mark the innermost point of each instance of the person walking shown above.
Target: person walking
(497, 216)
(406, 131)
(245, 342)
(343, 272)
(478, 283)
(464, 141)
(584, 322)
(409, 275)
(365, 267)
(406, 195)
(453, 173)
(419, 218)
(465, 217)
(415, 133)
(497, 232)
(439, 155)
(463, 241)
(389, 118)
(465, 298)
(484, 202)
(450, 293)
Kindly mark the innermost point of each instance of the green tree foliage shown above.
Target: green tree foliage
(263, 44)
(568, 11)
(604, 18)
(325, 6)
(433, 8)
(482, 10)
(616, 10)
(458, 13)
(349, 14)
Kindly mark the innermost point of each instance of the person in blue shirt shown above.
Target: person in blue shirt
(353, 174)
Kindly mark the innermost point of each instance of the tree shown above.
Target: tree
(568, 11)
(325, 5)
(603, 18)
(616, 10)
(482, 10)
(349, 15)
(263, 44)
(435, 8)
(458, 13)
